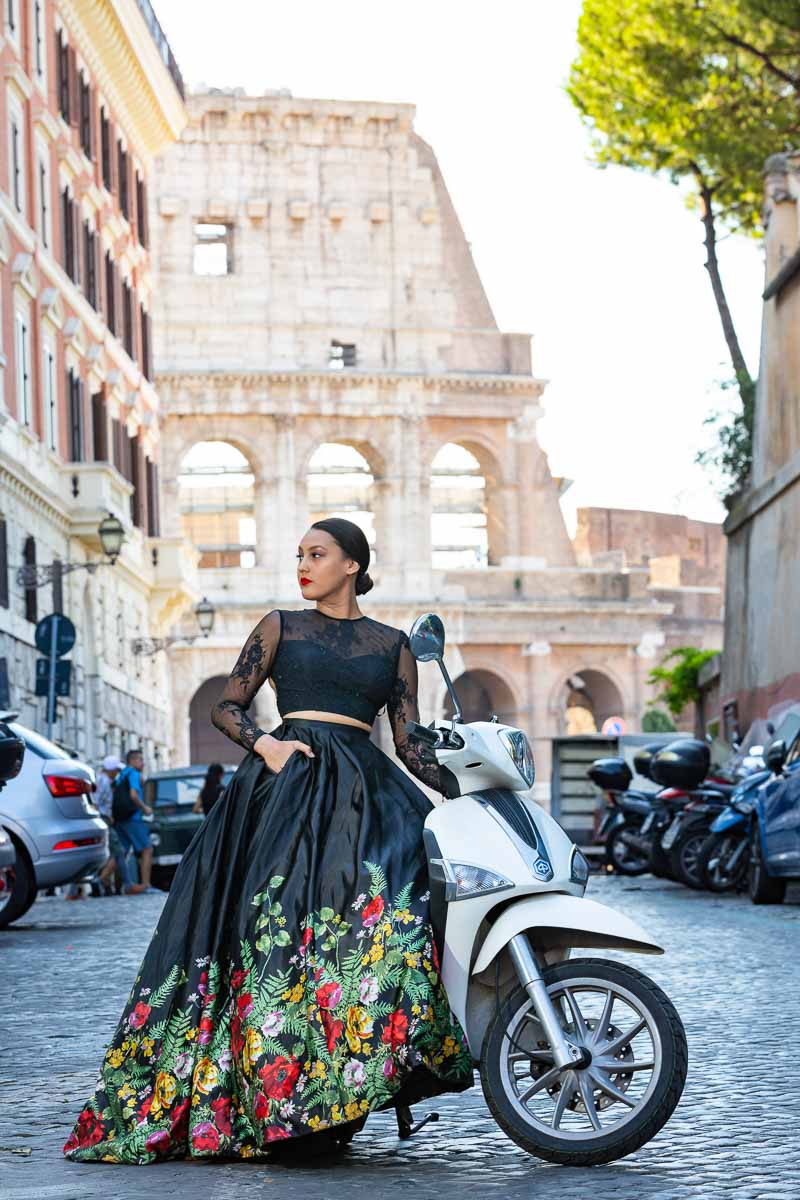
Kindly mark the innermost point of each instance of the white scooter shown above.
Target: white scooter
(582, 1060)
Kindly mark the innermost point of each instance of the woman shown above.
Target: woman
(211, 790)
(292, 985)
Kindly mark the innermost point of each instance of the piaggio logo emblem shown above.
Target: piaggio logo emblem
(541, 867)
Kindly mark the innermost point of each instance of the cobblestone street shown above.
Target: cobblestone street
(732, 970)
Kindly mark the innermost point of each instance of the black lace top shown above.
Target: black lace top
(327, 664)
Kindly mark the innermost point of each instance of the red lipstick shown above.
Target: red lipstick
(304, 582)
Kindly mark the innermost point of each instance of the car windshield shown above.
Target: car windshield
(181, 789)
(38, 744)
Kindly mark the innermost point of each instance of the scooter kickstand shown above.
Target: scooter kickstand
(405, 1121)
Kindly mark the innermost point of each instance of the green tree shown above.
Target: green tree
(702, 91)
(655, 720)
(678, 683)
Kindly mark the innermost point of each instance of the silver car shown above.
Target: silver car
(58, 833)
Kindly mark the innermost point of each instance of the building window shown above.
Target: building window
(146, 345)
(12, 20)
(16, 166)
(3, 563)
(116, 445)
(49, 395)
(122, 180)
(134, 475)
(69, 227)
(212, 249)
(105, 149)
(39, 57)
(87, 141)
(75, 412)
(63, 64)
(342, 355)
(90, 264)
(23, 367)
(128, 336)
(29, 559)
(99, 427)
(111, 293)
(153, 520)
(44, 198)
(141, 210)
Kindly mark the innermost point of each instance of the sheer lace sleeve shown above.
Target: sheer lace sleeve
(253, 665)
(403, 706)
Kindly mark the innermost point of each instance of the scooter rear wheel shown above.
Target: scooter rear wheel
(615, 1103)
(623, 858)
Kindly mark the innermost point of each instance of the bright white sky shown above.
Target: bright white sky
(604, 268)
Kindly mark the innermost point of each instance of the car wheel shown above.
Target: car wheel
(763, 888)
(24, 892)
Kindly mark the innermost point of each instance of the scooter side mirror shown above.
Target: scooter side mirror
(426, 640)
(776, 756)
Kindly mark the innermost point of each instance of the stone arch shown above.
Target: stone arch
(216, 498)
(483, 692)
(596, 690)
(206, 743)
(493, 504)
(341, 480)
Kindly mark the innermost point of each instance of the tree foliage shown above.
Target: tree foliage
(703, 91)
(655, 720)
(679, 684)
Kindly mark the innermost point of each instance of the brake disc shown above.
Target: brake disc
(622, 1078)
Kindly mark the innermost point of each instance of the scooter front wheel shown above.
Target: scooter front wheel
(624, 1088)
(622, 857)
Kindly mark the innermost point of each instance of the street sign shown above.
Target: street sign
(613, 727)
(63, 676)
(55, 626)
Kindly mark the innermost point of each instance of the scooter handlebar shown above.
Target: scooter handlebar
(422, 733)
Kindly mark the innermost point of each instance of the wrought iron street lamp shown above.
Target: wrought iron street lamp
(204, 612)
(111, 533)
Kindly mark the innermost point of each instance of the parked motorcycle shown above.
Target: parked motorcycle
(724, 857)
(625, 813)
(12, 752)
(582, 1060)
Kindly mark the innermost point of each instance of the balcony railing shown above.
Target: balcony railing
(159, 37)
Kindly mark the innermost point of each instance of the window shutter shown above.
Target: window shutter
(29, 558)
(99, 427)
(3, 563)
(62, 63)
(74, 87)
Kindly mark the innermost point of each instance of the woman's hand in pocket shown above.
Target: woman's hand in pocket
(275, 752)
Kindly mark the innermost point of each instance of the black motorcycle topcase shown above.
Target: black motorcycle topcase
(610, 774)
(643, 757)
(682, 764)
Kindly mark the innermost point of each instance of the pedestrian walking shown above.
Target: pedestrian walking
(211, 790)
(128, 810)
(292, 985)
(116, 867)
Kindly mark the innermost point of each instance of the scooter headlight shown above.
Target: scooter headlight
(463, 881)
(519, 748)
(578, 867)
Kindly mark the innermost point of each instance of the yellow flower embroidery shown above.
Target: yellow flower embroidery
(206, 1075)
(191, 1034)
(412, 959)
(336, 1114)
(164, 1093)
(359, 1025)
(147, 1046)
(295, 995)
(253, 1046)
(318, 1071)
(115, 1057)
(376, 953)
(402, 914)
(352, 1110)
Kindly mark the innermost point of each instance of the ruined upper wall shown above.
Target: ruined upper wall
(697, 547)
(341, 228)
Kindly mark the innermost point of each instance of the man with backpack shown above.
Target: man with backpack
(128, 807)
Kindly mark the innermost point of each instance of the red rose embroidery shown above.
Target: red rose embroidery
(144, 1107)
(158, 1141)
(179, 1122)
(238, 978)
(373, 912)
(332, 1029)
(279, 1077)
(308, 933)
(205, 1030)
(276, 1133)
(244, 1004)
(221, 1108)
(139, 1015)
(205, 1136)
(89, 1128)
(329, 995)
(237, 1041)
(261, 1107)
(394, 1033)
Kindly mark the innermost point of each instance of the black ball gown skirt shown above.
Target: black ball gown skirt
(292, 983)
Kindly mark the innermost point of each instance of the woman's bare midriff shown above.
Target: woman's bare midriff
(335, 718)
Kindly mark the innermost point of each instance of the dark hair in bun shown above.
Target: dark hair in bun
(353, 541)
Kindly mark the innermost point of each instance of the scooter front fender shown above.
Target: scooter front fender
(555, 921)
(729, 818)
